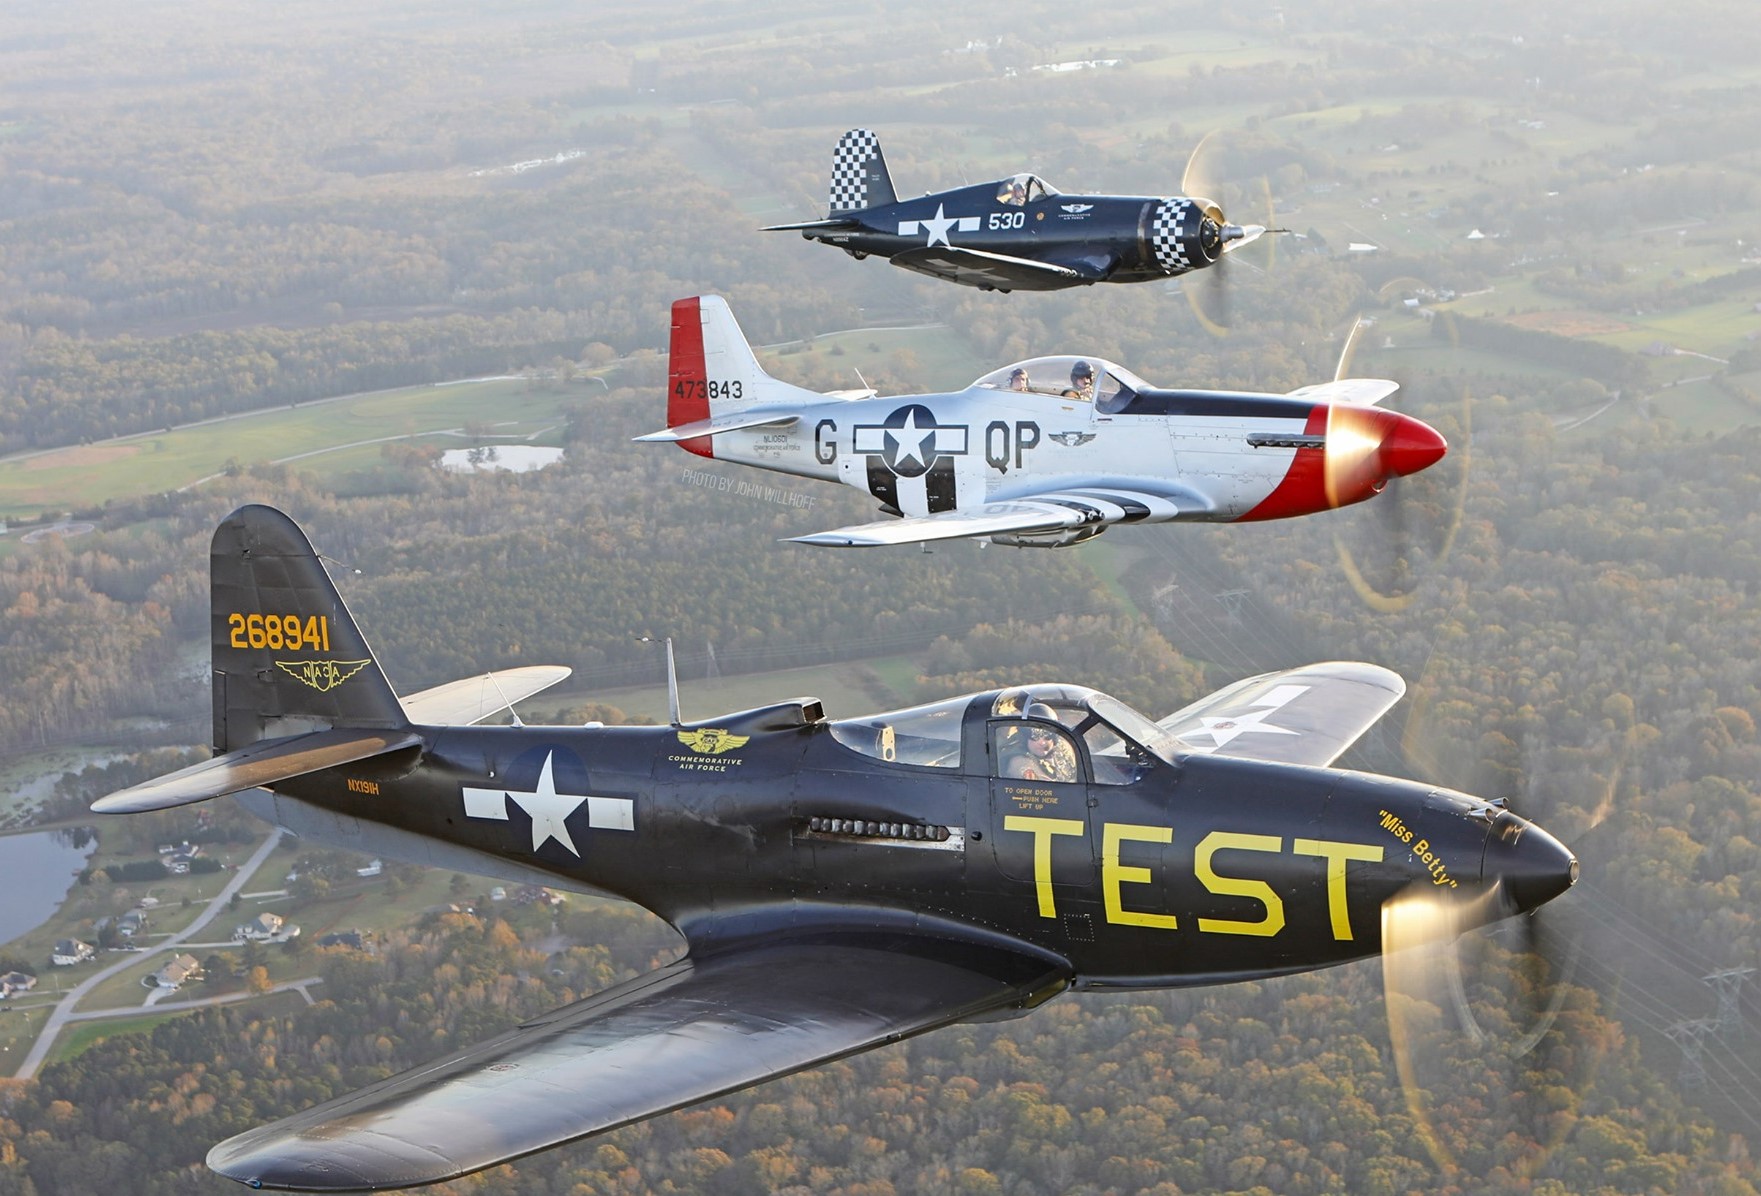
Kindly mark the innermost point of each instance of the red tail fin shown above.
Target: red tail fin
(687, 380)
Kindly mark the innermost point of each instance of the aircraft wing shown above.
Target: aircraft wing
(1362, 392)
(979, 268)
(684, 1033)
(1307, 715)
(473, 699)
(1053, 511)
(733, 421)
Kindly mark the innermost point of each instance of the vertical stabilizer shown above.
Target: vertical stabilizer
(859, 174)
(288, 657)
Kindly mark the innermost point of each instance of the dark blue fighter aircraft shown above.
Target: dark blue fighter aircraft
(1018, 233)
(839, 883)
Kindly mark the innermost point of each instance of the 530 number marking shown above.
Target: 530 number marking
(280, 631)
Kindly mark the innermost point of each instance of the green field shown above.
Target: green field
(327, 437)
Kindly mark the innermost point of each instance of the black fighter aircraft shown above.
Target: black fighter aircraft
(840, 883)
(1019, 233)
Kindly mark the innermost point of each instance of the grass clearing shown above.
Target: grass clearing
(309, 436)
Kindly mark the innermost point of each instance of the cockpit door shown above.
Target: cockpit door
(1040, 825)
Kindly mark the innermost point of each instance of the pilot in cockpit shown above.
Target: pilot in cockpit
(1082, 381)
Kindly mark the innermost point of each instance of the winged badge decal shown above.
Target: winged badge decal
(1072, 439)
(712, 741)
(321, 675)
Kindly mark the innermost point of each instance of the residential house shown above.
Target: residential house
(177, 973)
(16, 982)
(68, 952)
(263, 928)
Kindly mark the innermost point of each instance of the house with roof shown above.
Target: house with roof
(265, 927)
(16, 982)
(180, 971)
(68, 952)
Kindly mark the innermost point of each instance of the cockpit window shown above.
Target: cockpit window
(1021, 189)
(1081, 379)
(1121, 743)
(927, 736)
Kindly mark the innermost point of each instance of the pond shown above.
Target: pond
(40, 867)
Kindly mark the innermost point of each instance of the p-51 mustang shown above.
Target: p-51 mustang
(1016, 234)
(1044, 453)
(840, 884)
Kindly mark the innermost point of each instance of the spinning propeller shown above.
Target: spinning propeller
(1209, 294)
(1419, 521)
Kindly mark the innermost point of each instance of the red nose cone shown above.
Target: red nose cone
(1411, 445)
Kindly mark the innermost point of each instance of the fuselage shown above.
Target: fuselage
(1104, 238)
(1138, 871)
(1214, 456)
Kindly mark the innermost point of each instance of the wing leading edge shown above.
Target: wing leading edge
(982, 268)
(1307, 715)
(1053, 511)
(692, 1030)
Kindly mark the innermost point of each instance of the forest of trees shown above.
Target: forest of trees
(197, 220)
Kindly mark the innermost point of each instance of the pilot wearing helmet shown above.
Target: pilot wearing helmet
(1082, 381)
(1042, 753)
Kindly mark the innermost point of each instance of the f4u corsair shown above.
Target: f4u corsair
(840, 884)
(1044, 453)
(1016, 234)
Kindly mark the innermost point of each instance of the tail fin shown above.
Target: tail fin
(859, 174)
(713, 375)
(288, 657)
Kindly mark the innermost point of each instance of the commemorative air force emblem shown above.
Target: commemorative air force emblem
(321, 675)
(712, 741)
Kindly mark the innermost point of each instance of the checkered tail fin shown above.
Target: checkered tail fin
(859, 174)
(288, 657)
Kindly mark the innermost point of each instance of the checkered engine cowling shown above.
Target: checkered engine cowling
(1182, 237)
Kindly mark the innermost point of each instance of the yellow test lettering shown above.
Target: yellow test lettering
(1114, 874)
(1235, 886)
(1042, 830)
(1336, 854)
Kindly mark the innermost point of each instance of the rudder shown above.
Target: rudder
(859, 174)
(288, 657)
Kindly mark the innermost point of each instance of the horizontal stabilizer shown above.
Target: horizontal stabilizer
(833, 225)
(734, 421)
(473, 699)
(1360, 392)
(262, 763)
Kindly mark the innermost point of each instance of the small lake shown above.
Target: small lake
(516, 458)
(39, 868)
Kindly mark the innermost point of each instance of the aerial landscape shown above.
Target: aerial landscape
(407, 274)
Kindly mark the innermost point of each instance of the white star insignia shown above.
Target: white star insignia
(918, 437)
(550, 810)
(1222, 730)
(938, 227)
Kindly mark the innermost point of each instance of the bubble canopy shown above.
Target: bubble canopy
(1068, 376)
(931, 735)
